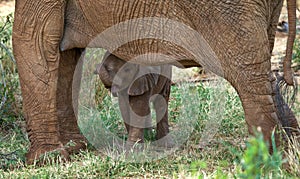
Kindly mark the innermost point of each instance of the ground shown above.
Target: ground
(6, 7)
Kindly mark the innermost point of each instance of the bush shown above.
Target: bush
(13, 142)
(9, 82)
(256, 161)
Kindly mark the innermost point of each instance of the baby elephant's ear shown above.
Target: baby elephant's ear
(143, 84)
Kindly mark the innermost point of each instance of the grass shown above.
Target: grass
(224, 156)
(216, 155)
(215, 132)
(8, 76)
(13, 145)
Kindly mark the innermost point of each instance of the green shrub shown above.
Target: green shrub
(256, 161)
(10, 102)
(13, 142)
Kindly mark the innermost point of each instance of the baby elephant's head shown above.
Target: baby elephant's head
(115, 73)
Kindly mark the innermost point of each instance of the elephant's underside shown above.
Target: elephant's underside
(224, 31)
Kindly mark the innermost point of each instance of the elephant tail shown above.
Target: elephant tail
(288, 93)
(284, 100)
(287, 69)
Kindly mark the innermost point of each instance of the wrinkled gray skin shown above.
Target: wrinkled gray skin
(136, 87)
(50, 35)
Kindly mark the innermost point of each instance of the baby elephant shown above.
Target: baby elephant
(136, 86)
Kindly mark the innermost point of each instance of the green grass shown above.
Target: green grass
(216, 155)
(13, 142)
(222, 157)
(10, 101)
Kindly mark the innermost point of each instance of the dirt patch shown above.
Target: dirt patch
(6, 7)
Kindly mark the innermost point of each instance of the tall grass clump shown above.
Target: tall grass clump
(292, 154)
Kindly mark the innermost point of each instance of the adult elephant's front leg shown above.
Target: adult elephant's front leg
(38, 28)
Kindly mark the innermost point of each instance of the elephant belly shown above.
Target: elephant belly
(158, 32)
(129, 32)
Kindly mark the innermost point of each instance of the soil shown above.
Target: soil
(6, 7)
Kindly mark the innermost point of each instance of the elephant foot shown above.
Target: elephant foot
(40, 155)
(70, 135)
(75, 146)
(71, 144)
(74, 143)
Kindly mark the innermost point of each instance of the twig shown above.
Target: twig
(3, 100)
(5, 156)
(8, 52)
(2, 28)
(8, 157)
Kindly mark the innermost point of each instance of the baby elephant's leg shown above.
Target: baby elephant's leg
(139, 114)
(124, 108)
(161, 107)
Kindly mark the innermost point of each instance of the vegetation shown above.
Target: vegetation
(224, 151)
(296, 55)
(13, 143)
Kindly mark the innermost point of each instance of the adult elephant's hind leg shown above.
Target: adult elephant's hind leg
(254, 85)
(38, 28)
(69, 131)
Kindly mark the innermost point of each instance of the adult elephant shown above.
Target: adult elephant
(233, 38)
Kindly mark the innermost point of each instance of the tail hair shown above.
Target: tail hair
(288, 92)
